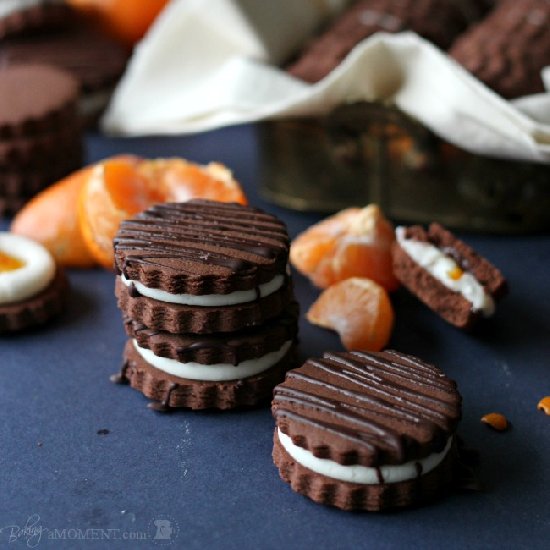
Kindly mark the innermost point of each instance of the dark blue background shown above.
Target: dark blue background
(211, 473)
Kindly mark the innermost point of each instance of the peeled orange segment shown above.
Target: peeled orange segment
(121, 187)
(50, 218)
(353, 243)
(359, 310)
(113, 192)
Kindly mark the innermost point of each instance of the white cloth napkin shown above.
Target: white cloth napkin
(204, 64)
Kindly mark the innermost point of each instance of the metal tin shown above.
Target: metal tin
(364, 152)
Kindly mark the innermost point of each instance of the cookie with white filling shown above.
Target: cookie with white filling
(446, 274)
(32, 289)
(366, 431)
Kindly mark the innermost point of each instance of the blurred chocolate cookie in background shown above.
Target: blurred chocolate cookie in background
(367, 17)
(509, 48)
(19, 17)
(40, 131)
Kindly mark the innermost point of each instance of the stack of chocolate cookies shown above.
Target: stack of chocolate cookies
(207, 303)
(40, 132)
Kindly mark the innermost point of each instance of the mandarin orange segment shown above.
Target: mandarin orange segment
(50, 218)
(126, 20)
(113, 192)
(353, 243)
(359, 310)
(121, 187)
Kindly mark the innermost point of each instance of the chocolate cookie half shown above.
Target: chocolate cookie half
(446, 274)
(32, 289)
(202, 267)
(366, 431)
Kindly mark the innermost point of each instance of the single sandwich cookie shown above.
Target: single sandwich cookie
(31, 287)
(173, 384)
(231, 349)
(202, 267)
(366, 431)
(446, 274)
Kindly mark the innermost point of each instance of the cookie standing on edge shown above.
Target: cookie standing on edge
(32, 289)
(207, 302)
(446, 274)
(366, 431)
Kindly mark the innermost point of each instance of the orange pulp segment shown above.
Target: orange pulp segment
(9, 263)
(50, 218)
(359, 310)
(122, 187)
(353, 243)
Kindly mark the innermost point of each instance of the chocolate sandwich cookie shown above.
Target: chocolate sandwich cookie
(368, 17)
(40, 133)
(511, 67)
(93, 59)
(24, 16)
(446, 274)
(169, 391)
(202, 267)
(213, 371)
(211, 349)
(32, 289)
(366, 431)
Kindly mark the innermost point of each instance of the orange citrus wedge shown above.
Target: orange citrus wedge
(359, 310)
(120, 188)
(50, 218)
(353, 243)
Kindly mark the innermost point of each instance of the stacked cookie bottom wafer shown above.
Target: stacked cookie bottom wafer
(207, 303)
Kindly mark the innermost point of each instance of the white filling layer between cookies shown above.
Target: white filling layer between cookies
(362, 474)
(36, 273)
(217, 372)
(441, 267)
(208, 300)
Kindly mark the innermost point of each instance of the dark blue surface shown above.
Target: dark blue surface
(211, 474)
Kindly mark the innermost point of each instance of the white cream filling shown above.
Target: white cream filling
(362, 474)
(440, 266)
(208, 300)
(35, 275)
(217, 372)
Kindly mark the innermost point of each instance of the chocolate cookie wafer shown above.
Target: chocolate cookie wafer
(446, 274)
(508, 49)
(366, 431)
(367, 17)
(202, 266)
